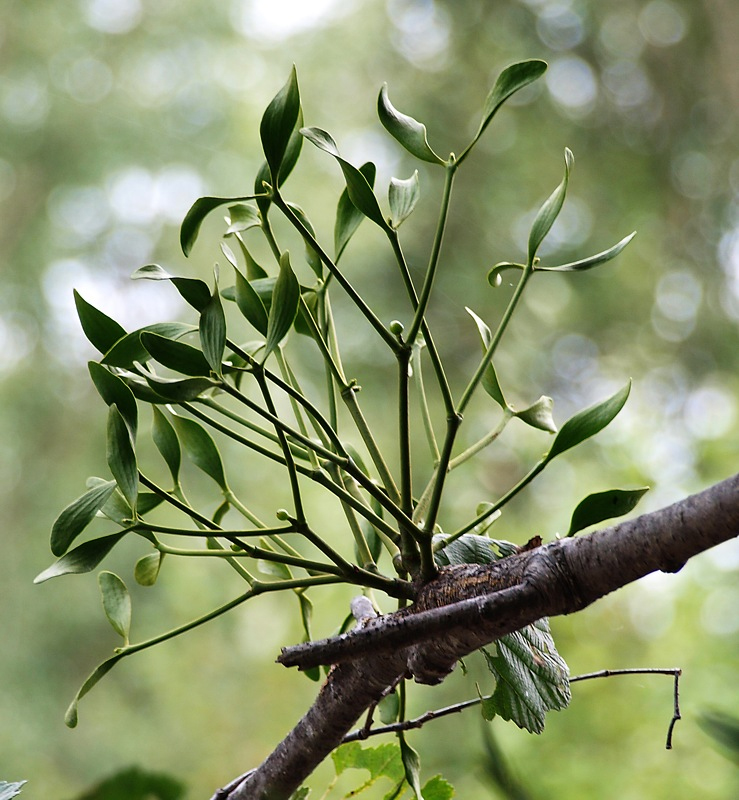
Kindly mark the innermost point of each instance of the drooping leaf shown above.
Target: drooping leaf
(411, 765)
(592, 261)
(550, 210)
(121, 456)
(177, 356)
(250, 304)
(600, 506)
(278, 123)
(192, 290)
(114, 391)
(531, 677)
(284, 308)
(311, 256)
(116, 603)
(539, 415)
(201, 449)
(83, 558)
(489, 381)
(147, 569)
(495, 278)
(588, 422)
(402, 197)
(129, 349)
(199, 210)
(101, 331)
(407, 131)
(213, 331)
(241, 217)
(348, 216)
(77, 516)
(71, 716)
(253, 270)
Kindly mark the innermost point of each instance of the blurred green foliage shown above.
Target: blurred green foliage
(115, 116)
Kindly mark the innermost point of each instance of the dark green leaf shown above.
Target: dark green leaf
(147, 569)
(135, 783)
(177, 356)
(311, 256)
(167, 443)
(77, 516)
(198, 212)
(592, 261)
(348, 216)
(531, 677)
(588, 422)
(403, 196)
(121, 456)
(284, 308)
(213, 331)
(174, 391)
(292, 152)
(263, 177)
(311, 307)
(193, 291)
(250, 304)
(116, 603)
(406, 130)
(129, 349)
(201, 449)
(102, 331)
(278, 123)
(604, 505)
(70, 718)
(253, 270)
(114, 391)
(411, 765)
(83, 558)
(118, 510)
(550, 210)
(490, 378)
(539, 415)
(241, 217)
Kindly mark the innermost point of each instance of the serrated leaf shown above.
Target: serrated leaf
(600, 506)
(128, 350)
(531, 677)
(213, 331)
(591, 261)
(201, 449)
(177, 356)
(241, 217)
(83, 558)
(437, 788)
(71, 716)
(407, 131)
(114, 391)
(77, 516)
(147, 569)
(588, 422)
(121, 456)
(381, 761)
(489, 381)
(284, 308)
(550, 210)
(539, 415)
(402, 197)
(116, 603)
(311, 256)
(101, 331)
(192, 290)
(250, 304)
(174, 391)
(278, 123)
(348, 216)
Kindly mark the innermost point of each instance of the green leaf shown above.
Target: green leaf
(118, 510)
(116, 603)
(411, 765)
(311, 256)
(531, 677)
(348, 216)
(301, 322)
(604, 505)
(240, 218)
(71, 718)
(177, 356)
(250, 304)
(121, 456)
(201, 449)
(101, 331)
(539, 415)
(253, 270)
(192, 290)
(292, 152)
(129, 349)
(495, 278)
(135, 783)
(278, 123)
(147, 569)
(437, 788)
(82, 559)
(213, 331)
(403, 196)
(359, 190)
(115, 392)
(407, 131)
(175, 391)
(592, 261)
(550, 210)
(472, 549)
(489, 381)
(199, 210)
(284, 308)
(588, 422)
(77, 516)
(389, 707)
(381, 761)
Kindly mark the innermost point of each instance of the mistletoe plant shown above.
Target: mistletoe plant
(204, 386)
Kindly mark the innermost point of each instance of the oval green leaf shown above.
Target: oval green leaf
(114, 391)
(407, 131)
(78, 515)
(192, 290)
(601, 506)
(250, 304)
(348, 216)
(199, 210)
(402, 197)
(550, 210)
(129, 350)
(241, 217)
(101, 331)
(489, 381)
(174, 391)
(278, 123)
(201, 449)
(82, 559)
(311, 256)
(213, 331)
(284, 308)
(147, 569)
(177, 356)
(116, 603)
(121, 456)
(167, 443)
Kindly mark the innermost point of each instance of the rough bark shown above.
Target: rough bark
(469, 606)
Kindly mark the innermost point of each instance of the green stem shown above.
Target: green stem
(482, 443)
(425, 414)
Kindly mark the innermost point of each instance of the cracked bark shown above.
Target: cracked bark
(469, 606)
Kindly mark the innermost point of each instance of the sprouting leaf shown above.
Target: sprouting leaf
(489, 381)
(403, 196)
(83, 558)
(164, 390)
(406, 130)
(128, 350)
(357, 186)
(121, 456)
(192, 290)
(177, 356)
(495, 278)
(241, 217)
(531, 677)
(592, 261)
(550, 210)
(114, 391)
(213, 331)
(348, 216)
(539, 415)
(116, 603)
(311, 256)
(147, 569)
(199, 210)
(600, 506)
(102, 331)
(201, 449)
(250, 304)
(588, 422)
(278, 123)
(71, 717)
(284, 308)
(77, 516)
(411, 765)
